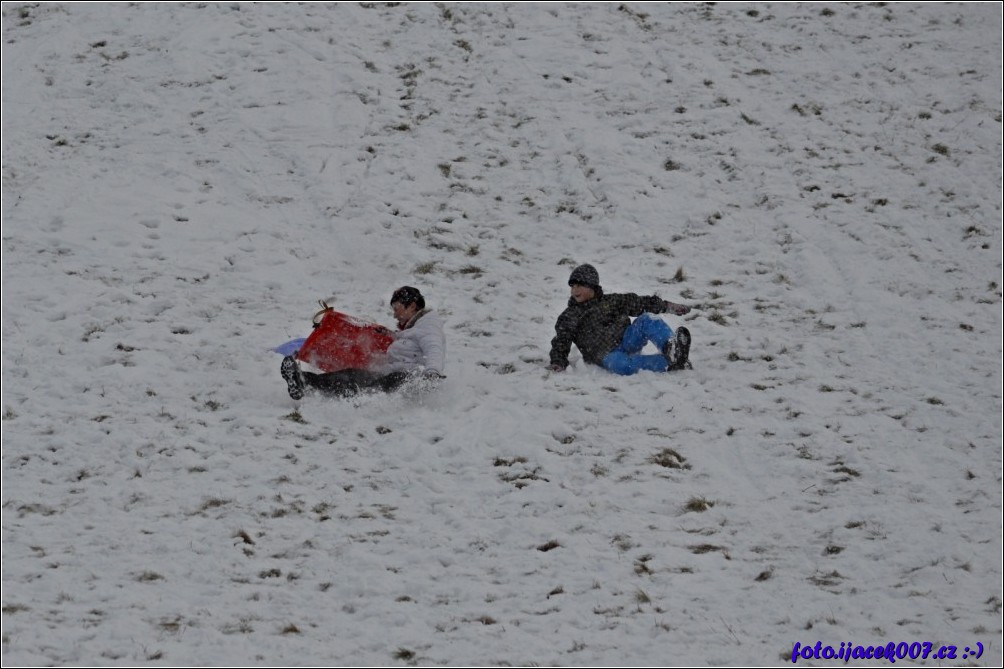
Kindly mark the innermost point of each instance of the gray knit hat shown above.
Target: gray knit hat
(585, 275)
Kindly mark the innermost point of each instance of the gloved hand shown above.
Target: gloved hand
(678, 309)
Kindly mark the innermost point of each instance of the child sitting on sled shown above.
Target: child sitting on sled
(389, 359)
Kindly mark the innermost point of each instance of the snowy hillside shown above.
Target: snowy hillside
(183, 182)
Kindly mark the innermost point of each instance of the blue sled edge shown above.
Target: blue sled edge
(290, 347)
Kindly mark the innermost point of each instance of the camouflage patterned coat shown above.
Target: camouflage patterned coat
(597, 325)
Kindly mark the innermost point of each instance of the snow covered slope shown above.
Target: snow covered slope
(183, 182)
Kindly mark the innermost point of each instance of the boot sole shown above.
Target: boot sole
(682, 349)
(290, 373)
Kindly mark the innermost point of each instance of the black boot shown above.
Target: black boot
(677, 350)
(683, 348)
(294, 379)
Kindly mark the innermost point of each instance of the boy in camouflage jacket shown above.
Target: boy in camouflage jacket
(600, 326)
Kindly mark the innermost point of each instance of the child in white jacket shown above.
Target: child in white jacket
(419, 349)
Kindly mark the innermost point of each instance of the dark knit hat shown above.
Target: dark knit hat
(407, 295)
(585, 275)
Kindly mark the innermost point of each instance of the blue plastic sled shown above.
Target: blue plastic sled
(290, 347)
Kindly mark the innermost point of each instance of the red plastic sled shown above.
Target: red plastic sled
(340, 341)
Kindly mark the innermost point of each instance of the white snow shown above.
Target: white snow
(183, 181)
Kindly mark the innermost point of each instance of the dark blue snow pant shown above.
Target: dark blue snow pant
(349, 382)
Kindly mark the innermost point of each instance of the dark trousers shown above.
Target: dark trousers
(348, 382)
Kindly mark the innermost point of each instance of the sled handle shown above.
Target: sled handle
(319, 316)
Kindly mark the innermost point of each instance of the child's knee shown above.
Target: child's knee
(619, 363)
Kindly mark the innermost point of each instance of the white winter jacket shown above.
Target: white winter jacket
(421, 345)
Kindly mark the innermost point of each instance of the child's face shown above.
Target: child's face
(402, 312)
(582, 293)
